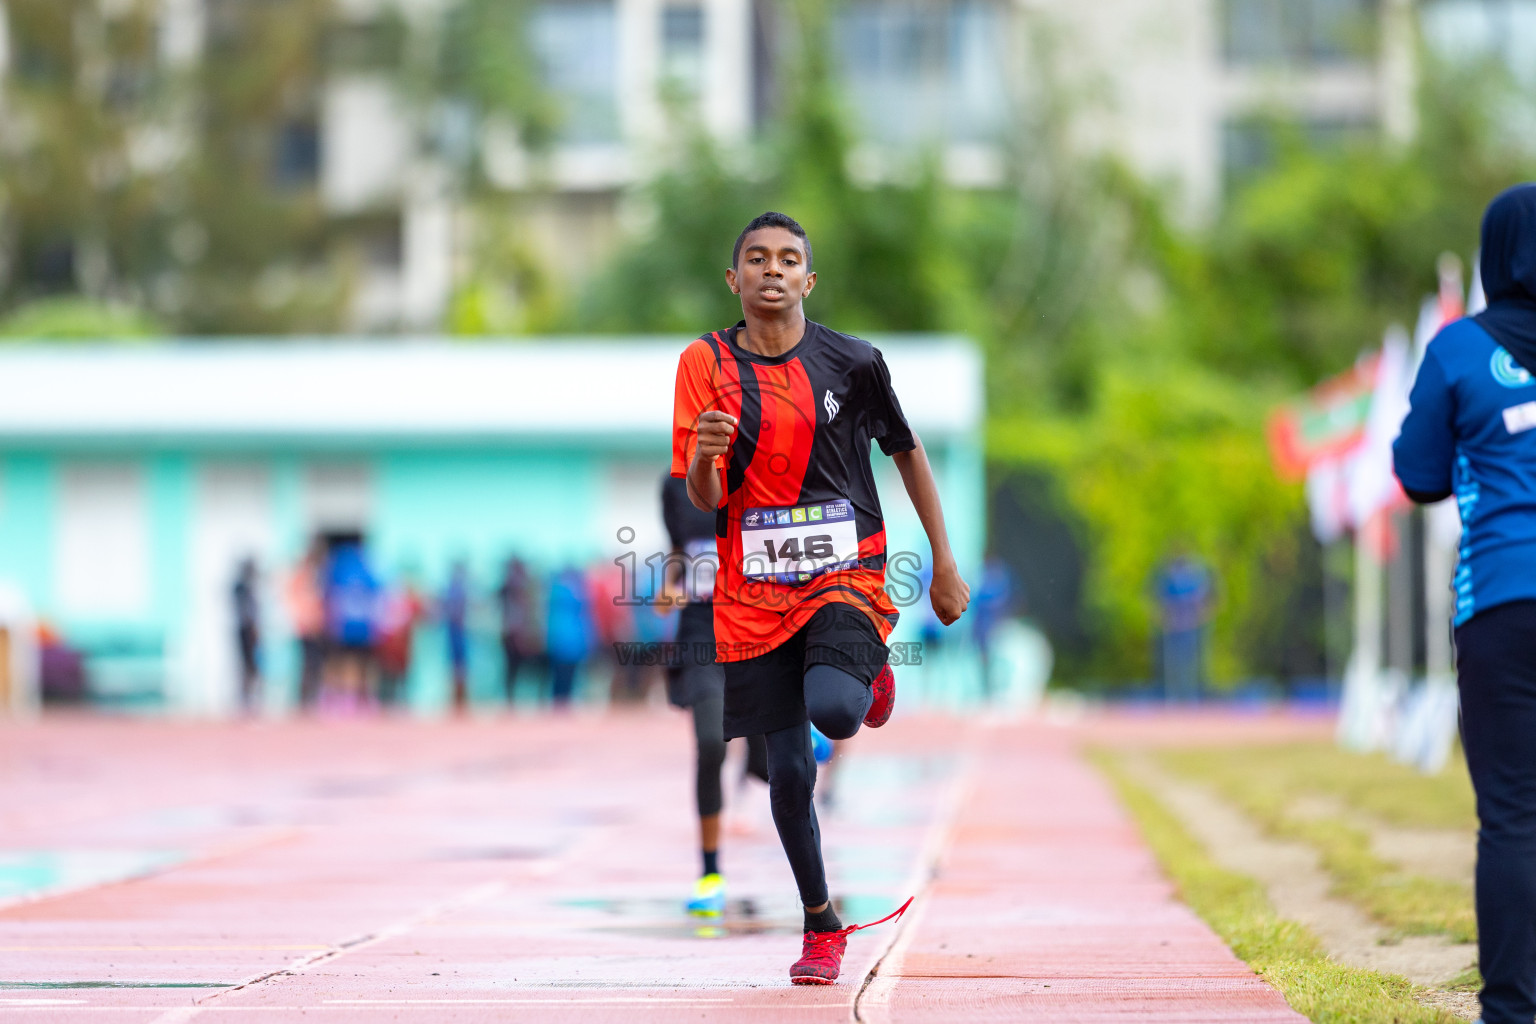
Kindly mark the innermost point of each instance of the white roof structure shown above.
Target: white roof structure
(430, 388)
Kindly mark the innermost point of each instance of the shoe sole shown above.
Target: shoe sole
(807, 979)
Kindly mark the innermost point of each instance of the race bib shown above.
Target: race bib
(796, 544)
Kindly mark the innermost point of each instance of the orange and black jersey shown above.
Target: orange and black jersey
(805, 422)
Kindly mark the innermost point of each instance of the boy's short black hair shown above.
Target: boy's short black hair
(772, 220)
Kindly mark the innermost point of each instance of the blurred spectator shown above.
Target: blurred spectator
(515, 598)
(1183, 592)
(570, 631)
(991, 603)
(352, 613)
(61, 668)
(658, 626)
(304, 595)
(403, 609)
(248, 634)
(454, 607)
(614, 622)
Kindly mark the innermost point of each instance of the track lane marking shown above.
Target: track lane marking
(875, 988)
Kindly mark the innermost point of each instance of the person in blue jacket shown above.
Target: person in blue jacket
(1471, 431)
(571, 632)
(352, 614)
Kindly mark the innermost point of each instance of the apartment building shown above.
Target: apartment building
(1179, 88)
(1176, 87)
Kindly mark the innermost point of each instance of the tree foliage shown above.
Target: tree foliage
(72, 318)
(180, 188)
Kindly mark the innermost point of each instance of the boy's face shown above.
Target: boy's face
(771, 274)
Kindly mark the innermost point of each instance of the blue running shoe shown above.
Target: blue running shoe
(821, 747)
(708, 897)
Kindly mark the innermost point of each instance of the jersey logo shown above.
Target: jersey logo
(830, 404)
(1508, 372)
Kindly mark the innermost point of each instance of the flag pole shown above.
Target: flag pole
(1359, 710)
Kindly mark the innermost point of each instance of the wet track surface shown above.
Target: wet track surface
(533, 869)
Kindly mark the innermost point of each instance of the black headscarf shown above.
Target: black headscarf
(1509, 273)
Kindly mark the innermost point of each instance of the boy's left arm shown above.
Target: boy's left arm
(949, 593)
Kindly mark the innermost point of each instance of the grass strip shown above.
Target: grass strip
(1373, 783)
(1284, 953)
(1469, 980)
(1264, 783)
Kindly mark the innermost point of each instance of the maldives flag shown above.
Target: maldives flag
(1373, 487)
(1325, 423)
(1338, 437)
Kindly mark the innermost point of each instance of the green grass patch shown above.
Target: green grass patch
(1265, 782)
(1469, 980)
(1373, 784)
(1283, 952)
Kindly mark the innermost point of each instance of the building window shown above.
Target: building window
(1250, 145)
(682, 48)
(1304, 32)
(576, 45)
(296, 155)
(919, 72)
(1473, 30)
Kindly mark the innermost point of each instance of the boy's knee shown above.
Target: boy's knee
(836, 700)
(835, 713)
(836, 722)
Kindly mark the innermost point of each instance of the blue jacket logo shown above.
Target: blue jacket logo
(1508, 372)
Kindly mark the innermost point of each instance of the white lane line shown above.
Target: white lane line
(157, 949)
(180, 1015)
(266, 1008)
(479, 894)
(879, 982)
(601, 1001)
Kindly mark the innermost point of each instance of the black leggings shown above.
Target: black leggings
(709, 740)
(837, 703)
(1496, 665)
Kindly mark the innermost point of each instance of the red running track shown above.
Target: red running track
(532, 869)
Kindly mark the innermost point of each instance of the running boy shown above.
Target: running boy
(771, 430)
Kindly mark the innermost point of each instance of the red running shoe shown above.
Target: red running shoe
(821, 958)
(884, 688)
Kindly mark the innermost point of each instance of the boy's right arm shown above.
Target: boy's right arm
(700, 433)
(715, 430)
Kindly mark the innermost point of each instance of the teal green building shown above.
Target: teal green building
(135, 477)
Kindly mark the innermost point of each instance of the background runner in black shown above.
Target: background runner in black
(696, 681)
